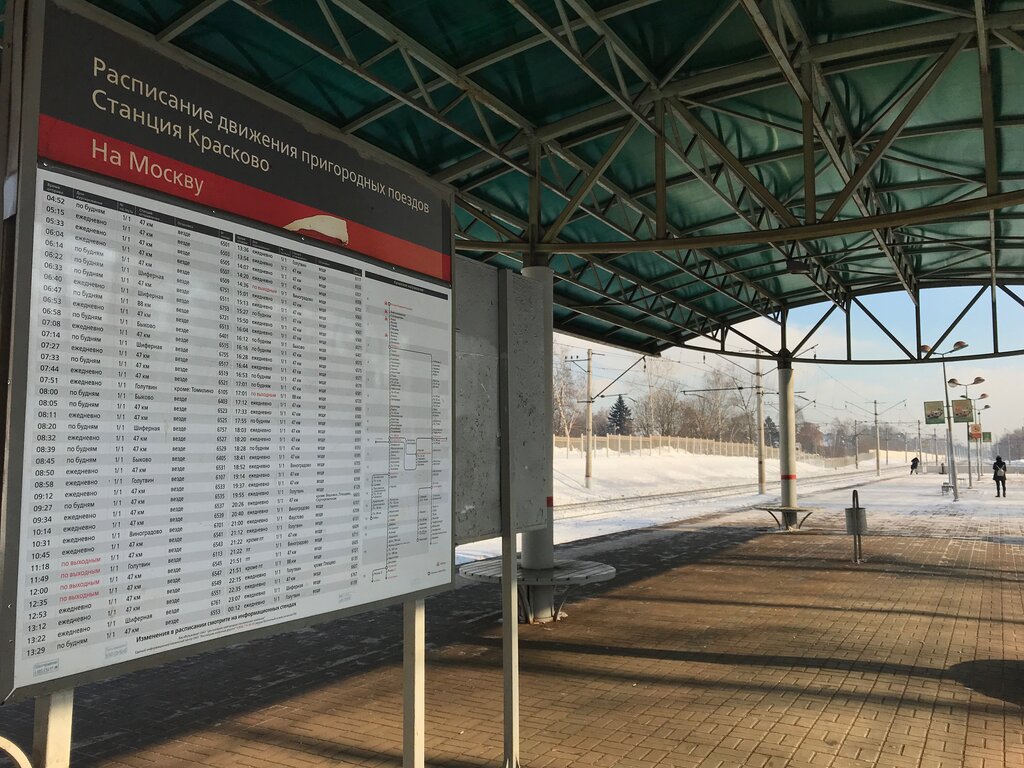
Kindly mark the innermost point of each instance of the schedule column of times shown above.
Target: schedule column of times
(127, 500)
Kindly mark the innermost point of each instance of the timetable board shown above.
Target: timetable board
(226, 429)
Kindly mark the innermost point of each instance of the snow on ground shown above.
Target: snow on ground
(665, 471)
(629, 476)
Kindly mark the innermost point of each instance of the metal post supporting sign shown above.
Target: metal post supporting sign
(509, 564)
(857, 526)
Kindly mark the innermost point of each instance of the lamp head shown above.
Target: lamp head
(983, 396)
(959, 345)
(926, 348)
(978, 380)
(954, 383)
(797, 266)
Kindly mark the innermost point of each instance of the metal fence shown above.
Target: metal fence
(652, 445)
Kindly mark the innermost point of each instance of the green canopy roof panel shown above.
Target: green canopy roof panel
(150, 16)
(743, 134)
(734, 41)
(835, 19)
(659, 35)
(526, 81)
(462, 92)
(413, 138)
(450, 32)
(873, 98)
(1008, 76)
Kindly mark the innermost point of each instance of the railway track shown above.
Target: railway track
(835, 481)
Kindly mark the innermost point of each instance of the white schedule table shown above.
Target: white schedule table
(225, 430)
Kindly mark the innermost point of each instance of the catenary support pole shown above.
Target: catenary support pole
(414, 683)
(51, 739)
(590, 416)
(787, 433)
(760, 432)
(878, 446)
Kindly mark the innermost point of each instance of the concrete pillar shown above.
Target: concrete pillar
(787, 435)
(760, 432)
(538, 547)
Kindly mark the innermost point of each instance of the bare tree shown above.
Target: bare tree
(568, 389)
(658, 411)
(714, 406)
(743, 419)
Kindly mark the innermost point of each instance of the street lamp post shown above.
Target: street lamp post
(966, 396)
(977, 414)
(949, 414)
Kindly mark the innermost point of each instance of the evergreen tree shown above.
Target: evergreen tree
(771, 432)
(619, 418)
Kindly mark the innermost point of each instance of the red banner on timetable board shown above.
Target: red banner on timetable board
(68, 144)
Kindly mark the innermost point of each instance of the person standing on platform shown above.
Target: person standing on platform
(914, 462)
(999, 475)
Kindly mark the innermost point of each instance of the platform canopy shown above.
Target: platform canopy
(682, 166)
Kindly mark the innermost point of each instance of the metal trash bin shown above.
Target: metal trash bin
(856, 521)
(857, 526)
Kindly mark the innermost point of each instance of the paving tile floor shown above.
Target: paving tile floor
(720, 644)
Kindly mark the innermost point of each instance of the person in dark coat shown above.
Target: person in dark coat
(999, 475)
(913, 465)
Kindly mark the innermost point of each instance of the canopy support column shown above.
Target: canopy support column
(539, 545)
(787, 437)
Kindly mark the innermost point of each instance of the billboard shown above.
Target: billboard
(975, 431)
(934, 412)
(232, 406)
(963, 413)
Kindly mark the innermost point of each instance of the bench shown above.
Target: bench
(788, 516)
(565, 573)
(946, 488)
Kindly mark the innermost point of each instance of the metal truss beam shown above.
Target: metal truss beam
(712, 271)
(991, 150)
(858, 51)
(882, 145)
(389, 32)
(588, 183)
(912, 217)
(820, 275)
(650, 299)
(865, 141)
(496, 152)
(828, 123)
(741, 185)
(188, 20)
(480, 96)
